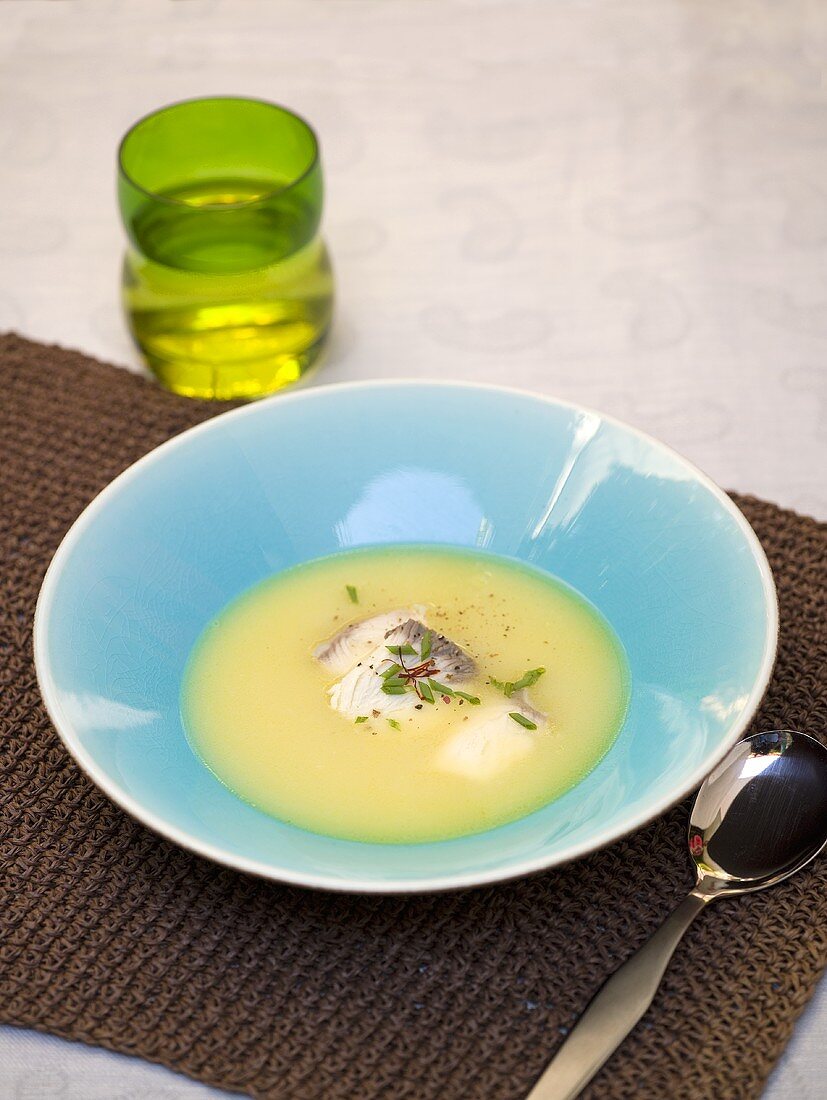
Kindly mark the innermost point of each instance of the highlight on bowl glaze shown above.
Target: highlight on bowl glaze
(662, 553)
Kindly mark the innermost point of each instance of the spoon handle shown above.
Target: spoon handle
(616, 1008)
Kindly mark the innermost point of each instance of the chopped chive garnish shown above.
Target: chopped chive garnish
(394, 682)
(361, 718)
(394, 689)
(399, 650)
(425, 691)
(394, 723)
(472, 699)
(441, 689)
(351, 591)
(528, 679)
(508, 687)
(521, 720)
(505, 686)
(391, 670)
(425, 646)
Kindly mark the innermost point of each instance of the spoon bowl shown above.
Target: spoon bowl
(761, 814)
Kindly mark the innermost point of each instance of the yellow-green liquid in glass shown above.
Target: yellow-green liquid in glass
(217, 313)
(255, 704)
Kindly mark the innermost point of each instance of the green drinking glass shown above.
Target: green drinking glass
(227, 285)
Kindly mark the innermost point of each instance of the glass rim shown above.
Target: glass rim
(226, 206)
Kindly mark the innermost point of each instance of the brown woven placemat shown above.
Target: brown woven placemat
(111, 935)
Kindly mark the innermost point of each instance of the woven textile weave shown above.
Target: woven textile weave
(111, 935)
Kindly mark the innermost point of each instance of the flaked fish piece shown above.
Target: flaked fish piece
(359, 692)
(491, 741)
(341, 652)
(454, 664)
(524, 707)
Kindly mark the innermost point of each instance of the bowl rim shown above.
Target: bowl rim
(353, 884)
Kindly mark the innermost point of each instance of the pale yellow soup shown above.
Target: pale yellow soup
(256, 709)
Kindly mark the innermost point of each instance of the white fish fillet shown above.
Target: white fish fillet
(359, 692)
(355, 641)
(453, 663)
(484, 742)
(490, 742)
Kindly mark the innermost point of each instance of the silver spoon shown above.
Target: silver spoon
(760, 816)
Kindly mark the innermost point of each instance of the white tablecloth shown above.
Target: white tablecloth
(620, 202)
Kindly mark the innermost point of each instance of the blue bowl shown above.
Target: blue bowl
(661, 551)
